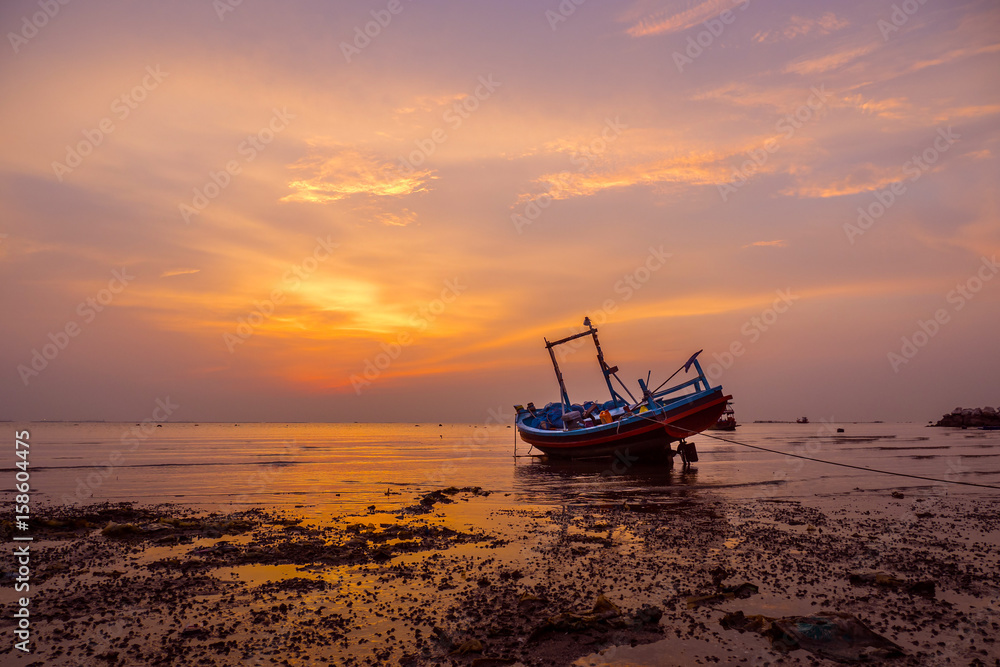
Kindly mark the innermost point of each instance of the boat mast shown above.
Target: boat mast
(555, 365)
(605, 369)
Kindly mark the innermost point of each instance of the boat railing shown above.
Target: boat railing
(690, 383)
(693, 382)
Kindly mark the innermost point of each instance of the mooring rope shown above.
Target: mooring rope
(842, 465)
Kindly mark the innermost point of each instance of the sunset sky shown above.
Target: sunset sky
(245, 207)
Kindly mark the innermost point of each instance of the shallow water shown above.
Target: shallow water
(330, 468)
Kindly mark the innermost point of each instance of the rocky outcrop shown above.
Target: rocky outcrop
(971, 417)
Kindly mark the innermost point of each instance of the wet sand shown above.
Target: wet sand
(467, 577)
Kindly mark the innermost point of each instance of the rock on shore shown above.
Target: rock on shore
(973, 417)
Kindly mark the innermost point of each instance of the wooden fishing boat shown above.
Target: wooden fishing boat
(727, 421)
(623, 427)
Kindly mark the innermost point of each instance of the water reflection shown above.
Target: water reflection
(545, 480)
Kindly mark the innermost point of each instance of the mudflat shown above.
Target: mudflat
(463, 576)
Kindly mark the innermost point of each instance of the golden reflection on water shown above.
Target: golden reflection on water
(322, 468)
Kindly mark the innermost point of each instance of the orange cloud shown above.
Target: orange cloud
(664, 21)
(337, 172)
(984, 154)
(975, 111)
(779, 243)
(692, 169)
(178, 272)
(954, 54)
(402, 219)
(430, 102)
(863, 178)
(828, 62)
(798, 26)
(894, 108)
(783, 98)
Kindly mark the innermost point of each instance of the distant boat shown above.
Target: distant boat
(727, 420)
(634, 427)
(802, 420)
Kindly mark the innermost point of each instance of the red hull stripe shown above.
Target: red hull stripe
(561, 443)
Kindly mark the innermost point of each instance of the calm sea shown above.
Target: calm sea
(331, 468)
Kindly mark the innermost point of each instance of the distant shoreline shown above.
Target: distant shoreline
(781, 421)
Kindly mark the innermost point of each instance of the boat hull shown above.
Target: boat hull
(724, 426)
(643, 435)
